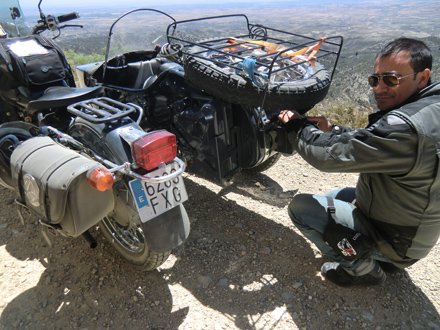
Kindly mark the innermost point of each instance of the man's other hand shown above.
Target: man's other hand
(321, 122)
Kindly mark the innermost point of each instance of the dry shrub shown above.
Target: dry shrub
(343, 112)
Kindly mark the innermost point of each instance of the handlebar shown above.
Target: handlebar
(52, 23)
(68, 17)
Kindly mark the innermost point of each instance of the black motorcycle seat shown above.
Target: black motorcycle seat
(143, 70)
(132, 76)
(166, 67)
(61, 97)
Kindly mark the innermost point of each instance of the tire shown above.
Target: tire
(300, 95)
(268, 163)
(122, 228)
(21, 131)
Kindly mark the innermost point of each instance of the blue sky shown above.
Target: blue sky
(137, 3)
(56, 6)
(61, 6)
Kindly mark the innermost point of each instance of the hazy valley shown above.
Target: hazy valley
(364, 25)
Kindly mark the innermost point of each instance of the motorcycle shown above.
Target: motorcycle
(220, 95)
(77, 159)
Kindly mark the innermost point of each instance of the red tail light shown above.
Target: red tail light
(153, 149)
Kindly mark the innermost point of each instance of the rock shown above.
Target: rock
(266, 250)
(204, 281)
(368, 316)
(223, 282)
(287, 296)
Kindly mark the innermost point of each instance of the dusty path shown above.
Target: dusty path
(243, 267)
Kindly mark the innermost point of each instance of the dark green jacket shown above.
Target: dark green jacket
(397, 156)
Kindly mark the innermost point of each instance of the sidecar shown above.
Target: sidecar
(217, 83)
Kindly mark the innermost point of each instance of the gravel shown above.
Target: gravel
(244, 266)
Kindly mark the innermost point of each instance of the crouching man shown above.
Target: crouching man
(392, 218)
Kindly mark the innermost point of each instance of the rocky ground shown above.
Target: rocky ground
(244, 266)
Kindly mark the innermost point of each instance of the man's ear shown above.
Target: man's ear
(423, 78)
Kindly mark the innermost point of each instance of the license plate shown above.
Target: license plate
(153, 199)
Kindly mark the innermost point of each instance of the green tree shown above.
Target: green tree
(75, 58)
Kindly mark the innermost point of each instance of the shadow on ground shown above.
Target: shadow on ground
(235, 261)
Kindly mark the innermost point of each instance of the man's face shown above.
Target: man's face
(389, 97)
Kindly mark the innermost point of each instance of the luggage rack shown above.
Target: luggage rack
(101, 110)
(283, 50)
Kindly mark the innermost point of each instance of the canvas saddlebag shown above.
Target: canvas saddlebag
(31, 61)
(52, 182)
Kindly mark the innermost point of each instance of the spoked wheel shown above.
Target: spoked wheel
(123, 229)
(130, 243)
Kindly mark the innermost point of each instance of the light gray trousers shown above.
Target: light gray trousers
(309, 214)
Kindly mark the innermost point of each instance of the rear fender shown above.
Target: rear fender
(104, 142)
(168, 230)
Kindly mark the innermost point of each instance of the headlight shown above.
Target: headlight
(31, 190)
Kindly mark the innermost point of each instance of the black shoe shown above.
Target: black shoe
(389, 267)
(333, 272)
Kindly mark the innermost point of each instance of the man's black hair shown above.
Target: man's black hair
(421, 57)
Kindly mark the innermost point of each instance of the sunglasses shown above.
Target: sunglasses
(389, 79)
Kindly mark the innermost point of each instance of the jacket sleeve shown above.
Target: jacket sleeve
(388, 146)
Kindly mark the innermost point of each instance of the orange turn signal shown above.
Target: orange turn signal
(100, 178)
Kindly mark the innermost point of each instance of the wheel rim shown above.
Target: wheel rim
(131, 238)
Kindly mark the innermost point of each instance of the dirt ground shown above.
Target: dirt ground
(244, 266)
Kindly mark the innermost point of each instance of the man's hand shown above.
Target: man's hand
(321, 122)
(287, 115)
